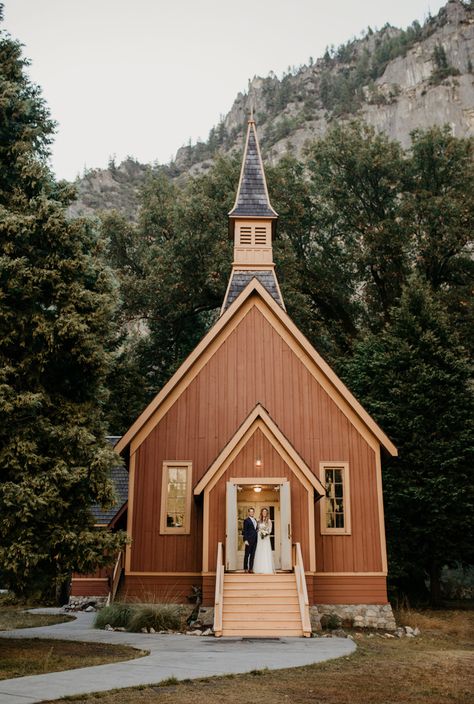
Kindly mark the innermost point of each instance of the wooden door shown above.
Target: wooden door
(285, 530)
(231, 527)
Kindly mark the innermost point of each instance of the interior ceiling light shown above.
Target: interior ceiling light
(258, 489)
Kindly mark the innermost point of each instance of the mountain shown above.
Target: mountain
(396, 80)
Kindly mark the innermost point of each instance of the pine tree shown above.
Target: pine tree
(414, 378)
(55, 307)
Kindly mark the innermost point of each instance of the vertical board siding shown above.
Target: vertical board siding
(253, 365)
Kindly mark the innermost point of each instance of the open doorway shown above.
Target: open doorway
(275, 496)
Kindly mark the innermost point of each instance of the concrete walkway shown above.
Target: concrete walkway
(177, 656)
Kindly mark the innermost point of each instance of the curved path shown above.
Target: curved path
(180, 656)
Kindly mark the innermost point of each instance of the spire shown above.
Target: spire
(252, 224)
(252, 195)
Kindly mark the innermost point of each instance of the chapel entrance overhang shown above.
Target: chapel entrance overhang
(259, 418)
(238, 465)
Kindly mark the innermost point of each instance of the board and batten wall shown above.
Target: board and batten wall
(255, 364)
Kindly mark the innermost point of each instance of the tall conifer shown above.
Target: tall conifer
(55, 307)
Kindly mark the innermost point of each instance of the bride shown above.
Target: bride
(263, 562)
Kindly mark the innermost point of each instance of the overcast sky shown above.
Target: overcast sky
(141, 77)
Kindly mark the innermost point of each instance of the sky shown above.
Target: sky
(141, 77)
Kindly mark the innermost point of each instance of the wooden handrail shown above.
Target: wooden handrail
(219, 594)
(302, 590)
(116, 574)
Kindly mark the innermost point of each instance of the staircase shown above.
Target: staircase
(261, 605)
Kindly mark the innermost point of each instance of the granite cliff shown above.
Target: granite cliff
(396, 80)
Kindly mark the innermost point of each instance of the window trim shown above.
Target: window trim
(186, 528)
(346, 493)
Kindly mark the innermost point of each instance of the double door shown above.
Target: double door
(280, 515)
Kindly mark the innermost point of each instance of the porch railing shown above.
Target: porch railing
(116, 574)
(219, 595)
(302, 590)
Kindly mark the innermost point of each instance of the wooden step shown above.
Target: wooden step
(274, 602)
(272, 618)
(263, 633)
(232, 607)
(245, 577)
(261, 586)
(277, 593)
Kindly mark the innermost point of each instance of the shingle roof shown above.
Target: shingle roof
(252, 197)
(240, 279)
(119, 477)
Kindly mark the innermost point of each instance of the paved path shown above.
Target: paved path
(177, 656)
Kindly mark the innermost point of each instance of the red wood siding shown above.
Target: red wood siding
(253, 365)
(156, 589)
(350, 589)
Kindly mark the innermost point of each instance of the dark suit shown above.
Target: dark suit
(250, 534)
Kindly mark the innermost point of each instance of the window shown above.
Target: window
(335, 506)
(176, 497)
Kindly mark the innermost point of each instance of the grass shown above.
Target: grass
(29, 656)
(134, 617)
(12, 617)
(434, 668)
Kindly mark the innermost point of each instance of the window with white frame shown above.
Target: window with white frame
(176, 497)
(335, 506)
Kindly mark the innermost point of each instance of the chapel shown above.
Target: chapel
(254, 417)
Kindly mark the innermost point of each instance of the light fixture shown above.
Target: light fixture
(257, 489)
(258, 462)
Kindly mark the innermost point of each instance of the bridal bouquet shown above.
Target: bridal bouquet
(263, 532)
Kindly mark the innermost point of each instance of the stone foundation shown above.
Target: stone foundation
(353, 616)
(78, 603)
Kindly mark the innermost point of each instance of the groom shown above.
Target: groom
(250, 535)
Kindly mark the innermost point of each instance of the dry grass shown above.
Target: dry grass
(454, 623)
(435, 668)
(21, 657)
(12, 617)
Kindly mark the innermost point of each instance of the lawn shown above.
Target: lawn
(13, 617)
(435, 668)
(21, 657)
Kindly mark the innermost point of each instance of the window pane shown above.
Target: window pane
(335, 498)
(176, 499)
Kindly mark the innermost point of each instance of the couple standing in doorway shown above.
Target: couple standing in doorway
(258, 557)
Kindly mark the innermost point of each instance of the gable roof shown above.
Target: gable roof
(254, 292)
(252, 194)
(259, 418)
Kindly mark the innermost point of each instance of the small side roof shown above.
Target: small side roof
(252, 194)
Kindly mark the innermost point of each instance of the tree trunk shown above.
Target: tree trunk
(435, 584)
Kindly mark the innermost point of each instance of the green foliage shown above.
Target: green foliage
(161, 617)
(56, 303)
(135, 617)
(172, 268)
(116, 615)
(442, 68)
(423, 400)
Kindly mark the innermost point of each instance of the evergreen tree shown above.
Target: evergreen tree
(414, 378)
(55, 309)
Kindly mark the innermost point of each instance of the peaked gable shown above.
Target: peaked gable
(259, 418)
(253, 294)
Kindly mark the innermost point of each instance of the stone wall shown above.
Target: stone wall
(353, 616)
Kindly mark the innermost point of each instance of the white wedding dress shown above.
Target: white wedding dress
(263, 561)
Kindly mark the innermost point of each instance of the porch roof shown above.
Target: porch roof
(258, 418)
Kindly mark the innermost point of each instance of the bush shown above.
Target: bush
(161, 617)
(116, 615)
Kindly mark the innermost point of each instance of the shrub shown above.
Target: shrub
(115, 614)
(161, 617)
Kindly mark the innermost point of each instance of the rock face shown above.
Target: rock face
(425, 79)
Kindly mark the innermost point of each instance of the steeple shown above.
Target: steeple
(252, 224)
